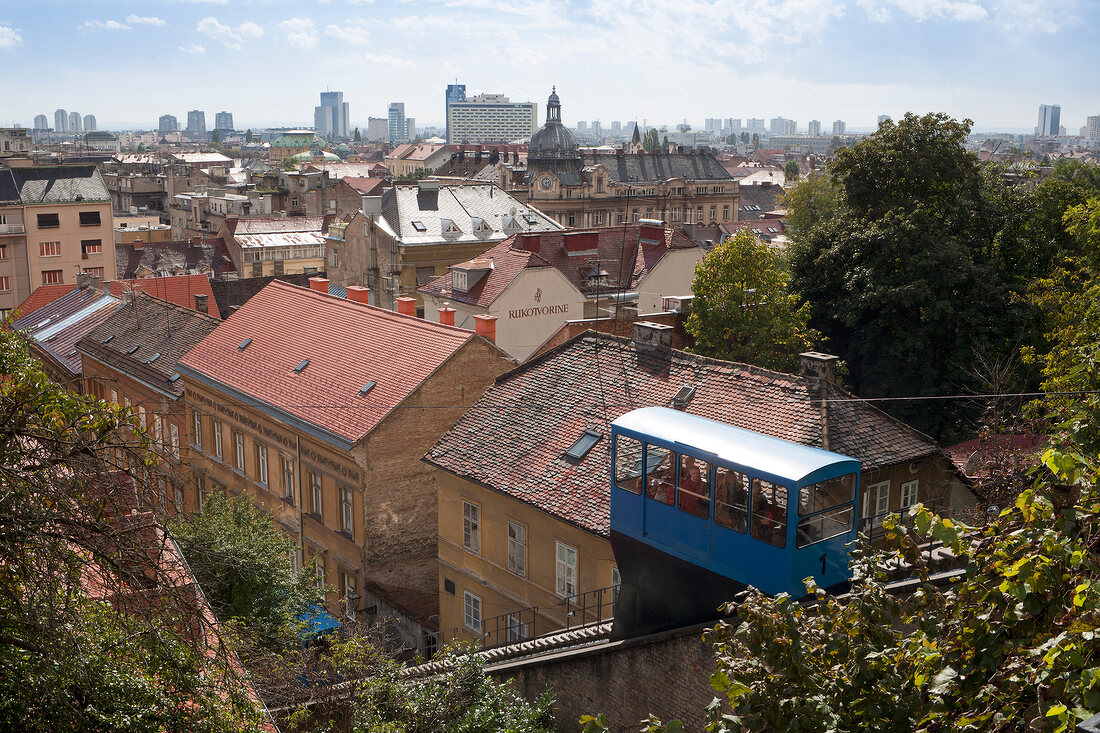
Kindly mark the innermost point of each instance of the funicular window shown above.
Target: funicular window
(769, 512)
(826, 509)
(660, 483)
(731, 499)
(694, 487)
(628, 464)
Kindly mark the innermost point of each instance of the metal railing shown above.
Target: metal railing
(12, 229)
(872, 525)
(508, 628)
(591, 606)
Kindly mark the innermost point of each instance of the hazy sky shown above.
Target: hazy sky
(265, 61)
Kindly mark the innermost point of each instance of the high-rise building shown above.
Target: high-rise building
(410, 128)
(377, 129)
(756, 125)
(223, 121)
(597, 128)
(839, 127)
(76, 123)
(61, 121)
(196, 123)
(489, 118)
(582, 126)
(330, 118)
(41, 123)
(782, 126)
(396, 117)
(712, 124)
(732, 126)
(167, 124)
(814, 128)
(883, 118)
(89, 123)
(616, 127)
(1092, 127)
(455, 93)
(1049, 120)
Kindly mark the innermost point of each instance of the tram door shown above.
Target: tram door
(693, 502)
(660, 513)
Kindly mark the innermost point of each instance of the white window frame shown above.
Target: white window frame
(261, 463)
(471, 612)
(517, 548)
(909, 493)
(218, 440)
(316, 493)
(238, 442)
(347, 513)
(471, 527)
(174, 438)
(288, 477)
(877, 501)
(565, 569)
(348, 592)
(196, 436)
(515, 630)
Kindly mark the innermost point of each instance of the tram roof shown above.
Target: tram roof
(775, 456)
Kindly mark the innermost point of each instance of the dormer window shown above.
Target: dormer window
(449, 228)
(481, 226)
(460, 280)
(510, 225)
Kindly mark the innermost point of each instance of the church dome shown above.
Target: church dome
(552, 140)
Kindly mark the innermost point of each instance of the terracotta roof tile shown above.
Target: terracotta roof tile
(57, 326)
(347, 344)
(178, 289)
(514, 438)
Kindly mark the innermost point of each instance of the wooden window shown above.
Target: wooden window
(91, 246)
(238, 442)
(471, 612)
(89, 218)
(347, 521)
(94, 271)
(316, 497)
(566, 570)
(49, 221)
(3, 251)
(909, 493)
(52, 277)
(471, 527)
(5, 283)
(196, 428)
(218, 440)
(261, 463)
(49, 249)
(876, 502)
(288, 478)
(517, 549)
(174, 438)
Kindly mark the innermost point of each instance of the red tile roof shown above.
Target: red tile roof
(365, 186)
(268, 224)
(626, 253)
(347, 344)
(178, 289)
(57, 326)
(513, 440)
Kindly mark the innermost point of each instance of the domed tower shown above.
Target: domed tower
(553, 149)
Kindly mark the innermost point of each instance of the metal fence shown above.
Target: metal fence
(591, 606)
(872, 525)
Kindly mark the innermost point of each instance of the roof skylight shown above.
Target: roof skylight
(683, 396)
(419, 226)
(298, 369)
(366, 388)
(244, 344)
(584, 444)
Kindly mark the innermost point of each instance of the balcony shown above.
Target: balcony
(12, 229)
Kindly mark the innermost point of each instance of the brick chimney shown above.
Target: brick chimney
(820, 370)
(578, 242)
(528, 242)
(486, 326)
(201, 302)
(406, 306)
(320, 284)
(447, 316)
(358, 294)
(650, 336)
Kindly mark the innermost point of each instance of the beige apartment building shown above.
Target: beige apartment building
(55, 223)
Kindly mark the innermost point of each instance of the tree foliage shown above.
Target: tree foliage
(899, 255)
(415, 175)
(742, 310)
(791, 170)
(80, 647)
(651, 139)
(243, 564)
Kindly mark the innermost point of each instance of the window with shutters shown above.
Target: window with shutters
(517, 549)
(261, 463)
(471, 527)
(471, 612)
(315, 499)
(347, 523)
(566, 570)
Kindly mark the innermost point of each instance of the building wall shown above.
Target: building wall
(159, 414)
(70, 234)
(672, 275)
(14, 262)
(481, 122)
(485, 574)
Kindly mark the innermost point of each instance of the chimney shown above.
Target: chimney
(87, 280)
(320, 284)
(358, 294)
(447, 316)
(528, 242)
(821, 369)
(486, 326)
(201, 303)
(578, 242)
(816, 365)
(650, 337)
(406, 306)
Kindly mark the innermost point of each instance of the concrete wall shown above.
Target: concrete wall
(672, 275)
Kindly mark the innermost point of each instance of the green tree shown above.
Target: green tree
(742, 310)
(651, 139)
(744, 137)
(357, 137)
(69, 659)
(248, 136)
(242, 563)
(215, 135)
(904, 275)
(415, 175)
(755, 140)
(810, 201)
(791, 170)
(664, 144)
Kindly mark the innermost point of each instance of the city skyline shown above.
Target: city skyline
(989, 60)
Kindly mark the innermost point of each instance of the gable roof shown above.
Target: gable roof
(659, 167)
(365, 186)
(9, 190)
(232, 294)
(57, 326)
(460, 204)
(513, 440)
(625, 253)
(346, 345)
(57, 184)
(158, 329)
(206, 256)
(178, 289)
